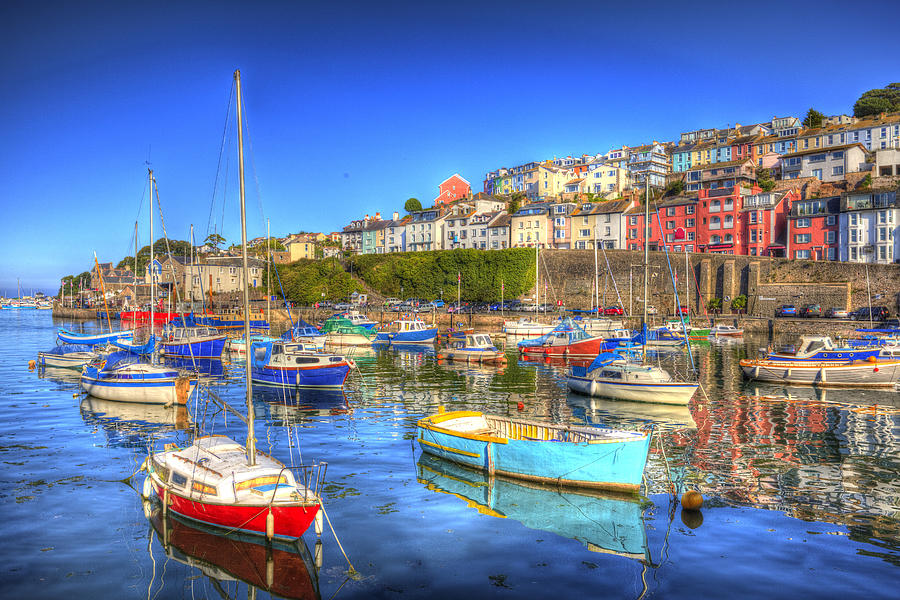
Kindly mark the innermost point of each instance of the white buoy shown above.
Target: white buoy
(270, 525)
(147, 488)
(320, 526)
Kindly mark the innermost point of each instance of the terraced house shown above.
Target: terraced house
(531, 226)
(873, 133)
(868, 226)
(825, 164)
(600, 224)
(425, 230)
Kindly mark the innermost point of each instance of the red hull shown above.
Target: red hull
(244, 560)
(290, 521)
(584, 348)
(142, 316)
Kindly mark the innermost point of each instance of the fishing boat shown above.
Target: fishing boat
(611, 375)
(341, 332)
(819, 348)
(281, 569)
(407, 331)
(306, 333)
(602, 326)
(868, 372)
(125, 377)
(602, 521)
(286, 364)
(359, 319)
(197, 342)
(567, 339)
(476, 348)
(661, 337)
(67, 356)
(560, 455)
(220, 482)
(726, 331)
(92, 339)
(526, 326)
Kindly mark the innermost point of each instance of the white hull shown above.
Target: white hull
(526, 329)
(657, 393)
(347, 339)
(72, 360)
(860, 374)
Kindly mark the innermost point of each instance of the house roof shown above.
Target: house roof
(501, 220)
(457, 175)
(723, 165)
(824, 150)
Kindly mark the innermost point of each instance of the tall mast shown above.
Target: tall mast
(152, 282)
(135, 259)
(251, 438)
(596, 298)
(537, 276)
(646, 247)
(268, 275)
(191, 273)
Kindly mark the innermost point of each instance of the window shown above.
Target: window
(802, 223)
(632, 220)
(853, 253)
(752, 217)
(585, 233)
(670, 211)
(689, 247)
(817, 173)
(729, 222)
(690, 237)
(670, 224)
(689, 210)
(606, 231)
(831, 254)
(670, 237)
(632, 234)
(715, 223)
(854, 236)
(753, 236)
(853, 217)
(689, 222)
(802, 254)
(838, 154)
(830, 219)
(829, 237)
(837, 170)
(802, 238)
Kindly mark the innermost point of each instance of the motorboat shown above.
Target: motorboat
(126, 377)
(868, 372)
(475, 348)
(407, 331)
(726, 331)
(526, 326)
(67, 356)
(611, 375)
(567, 340)
(197, 342)
(819, 348)
(286, 364)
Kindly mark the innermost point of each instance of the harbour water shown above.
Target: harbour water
(801, 489)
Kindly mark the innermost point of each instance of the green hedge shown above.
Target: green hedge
(425, 274)
(306, 280)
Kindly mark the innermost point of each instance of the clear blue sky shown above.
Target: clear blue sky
(355, 106)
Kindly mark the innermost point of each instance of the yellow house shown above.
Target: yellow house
(300, 249)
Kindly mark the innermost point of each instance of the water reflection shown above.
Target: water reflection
(229, 559)
(131, 424)
(613, 413)
(604, 523)
(206, 368)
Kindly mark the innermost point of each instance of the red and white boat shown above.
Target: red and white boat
(567, 340)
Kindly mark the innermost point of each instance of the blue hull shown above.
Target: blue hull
(204, 349)
(319, 377)
(425, 336)
(93, 339)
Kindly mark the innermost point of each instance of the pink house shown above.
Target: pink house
(451, 189)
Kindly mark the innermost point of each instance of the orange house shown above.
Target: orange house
(451, 189)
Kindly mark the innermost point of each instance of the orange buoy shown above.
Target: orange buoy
(875, 369)
(871, 359)
(31, 365)
(691, 500)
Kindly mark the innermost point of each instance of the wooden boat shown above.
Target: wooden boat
(197, 342)
(283, 570)
(870, 372)
(92, 339)
(726, 331)
(566, 340)
(526, 326)
(610, 375)
(476, 347)
(123, 377)
(211, 481)
(219, 482)
(67, 356)
(407, 331)
(284, 364)
(560, 455)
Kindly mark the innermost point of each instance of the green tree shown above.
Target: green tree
(764, 179)
(739, 303)
(714, 305)
(873, 102)
(261, 248)
(514, 202)
(412, 205)
(866, 182)
(215, 240)
(674, 188)
(813, 119)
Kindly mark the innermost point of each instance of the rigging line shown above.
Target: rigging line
(675, 288)
(259, 206)
(609, 270)
(221, 154)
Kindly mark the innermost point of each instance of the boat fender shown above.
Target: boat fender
(147, 488)
(319, 522)
(691, 500)
(270, 525)
(520, 406)
(875, 369)
(31, 365)
(148, 507)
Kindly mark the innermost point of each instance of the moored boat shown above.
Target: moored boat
(476, 348)
(197, 342)
(566, 340)
(726, 331)
(559, 455)
(92, 339)
(407, 331)
(525, 326)
(124, 377)
(819, 348)
(67, 356)
(870, 372)
(610, 375)
(284, 364)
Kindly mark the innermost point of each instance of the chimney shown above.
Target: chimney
(378, 216)
(396, 216)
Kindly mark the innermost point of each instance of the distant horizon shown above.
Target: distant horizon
(374, 104)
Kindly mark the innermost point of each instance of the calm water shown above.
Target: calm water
(801, 490)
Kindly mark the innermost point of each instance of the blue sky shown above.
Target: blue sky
(354, 107)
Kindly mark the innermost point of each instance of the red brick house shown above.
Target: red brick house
(813, 226)
(451, 189)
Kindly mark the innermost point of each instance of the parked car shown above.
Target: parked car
(546, 307)
(512, 305)
(613, 311)
(341, 306)
(837, 313)
(684, 310)
(879, 313)
(437, 303)
(389, 302)
(811, 310)
(651, 310)
(786, 310)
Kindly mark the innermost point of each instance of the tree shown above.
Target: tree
(873, 102)
(412, 205)
(261, 248)
(215, 240)
(813, 119)
(514, 202)
(675, 188)
(764, 179)
(866, 182)
(739, 303)
(714, 305)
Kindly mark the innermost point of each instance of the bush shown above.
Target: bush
(739, 302)
(714, 305)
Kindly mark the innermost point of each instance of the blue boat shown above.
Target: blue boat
(208, 368)
(92, 339)
(125, 377)
(602, 522)
(197, 342)
(413, 331)
(820, 348)
(304, 332)
(559, 455)
(283, 364)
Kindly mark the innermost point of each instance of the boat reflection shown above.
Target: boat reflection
(606, 523)
(130, 424)
(615, 413)
(60, 375)
(282, 569)
(302, 399)
(849, 397)
(207, 368)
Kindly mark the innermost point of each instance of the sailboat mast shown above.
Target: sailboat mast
(646, 247)
(268, 275)
(191, 271)
(152, 282)
(251, 438)
(135, 260)
(537, 277)
(596, 297)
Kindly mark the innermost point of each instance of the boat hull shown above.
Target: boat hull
(474, 356)
(290, 520)
(658, 393)
(424, 336)
(208, 348)
(93, 339)
(347, 339)
(72, 360)
(588, 348)
(331, 376)
(613, 465)
(880, 374)
(162, 390)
